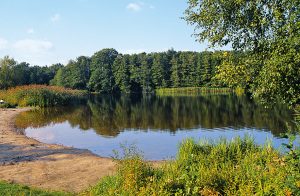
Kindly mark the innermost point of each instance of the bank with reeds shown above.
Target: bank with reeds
(237, 167)
(40, 95)
(192, 91)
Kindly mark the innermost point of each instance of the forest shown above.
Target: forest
(109, 71)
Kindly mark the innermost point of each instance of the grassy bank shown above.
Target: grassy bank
(40, 95)
(188, 91)
(238, 167)
(8, 189)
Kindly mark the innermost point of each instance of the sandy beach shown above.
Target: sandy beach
(53, 167)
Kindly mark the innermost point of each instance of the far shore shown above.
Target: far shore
(53, 167)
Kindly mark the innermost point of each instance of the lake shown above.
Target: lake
(154, 125)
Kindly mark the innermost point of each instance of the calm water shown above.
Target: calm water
(154, 125)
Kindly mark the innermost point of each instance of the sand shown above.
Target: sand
(53, 167)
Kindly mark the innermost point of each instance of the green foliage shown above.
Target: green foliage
(245, 24)
(6, 72)
(279, 79)
(107, 71)
(146, 79)
(74, 75)
(268, 31)
(122, 73)
(14, 74)
(293, 164)
(40, 95)
(238, 167)
(8, 189)
(102, 79)
(233, 72)
(293, 156)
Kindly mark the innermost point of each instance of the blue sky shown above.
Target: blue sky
(49, 31)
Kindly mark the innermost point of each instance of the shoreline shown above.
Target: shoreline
(27, 161)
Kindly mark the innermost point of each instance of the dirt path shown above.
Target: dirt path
(28, 161)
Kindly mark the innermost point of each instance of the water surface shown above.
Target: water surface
(154, 125)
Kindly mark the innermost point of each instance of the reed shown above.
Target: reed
(190, 91)
(40, 95)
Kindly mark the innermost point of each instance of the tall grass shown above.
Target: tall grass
(40, 95)
(238, 167)
(188, 91)
(8, 189)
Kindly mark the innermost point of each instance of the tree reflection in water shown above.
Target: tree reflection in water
(110, 115)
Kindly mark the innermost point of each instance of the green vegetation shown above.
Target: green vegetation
(16, 74)
(189, 91)
(9, 189)
(264, 36)
(265, 62)
(108, 71)
(7, 105)
(266, 32)
(238, 167)
(39, 95)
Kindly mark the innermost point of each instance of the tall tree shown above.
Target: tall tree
(146, 83)
(158, 70)
(6, 72)
(261, 28)
(176, 72)
(121, 73)
(21, 74)
(102, 79)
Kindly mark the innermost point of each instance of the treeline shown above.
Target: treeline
(109, 71)
(13, 73)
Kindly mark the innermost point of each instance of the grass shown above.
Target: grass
(39, 95)
(9, 189)
(188, 91)
(238, 167)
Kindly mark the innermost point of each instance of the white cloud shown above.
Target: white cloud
(135, 6)
(30, 31)
(3, 43)
(33, 46)
(55, 18)
(138, 6)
